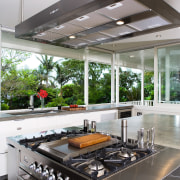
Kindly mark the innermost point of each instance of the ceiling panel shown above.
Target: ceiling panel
(90, 20)
(32, 7)
(149, 23)
(49, 36)
(10, 13)
(96, 37)
(174, 3)
(67, 29)
(120, 30)
(128, 8)
(75, 42)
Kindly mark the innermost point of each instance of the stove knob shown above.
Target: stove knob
(59, 174)
(39, 169)
(45, 172)
(60, 178)
(33, 166)
(67, 178)
(52, 177)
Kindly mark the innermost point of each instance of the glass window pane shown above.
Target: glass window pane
(25, 74)
(99, 83)
(169, 74)
(129, 84)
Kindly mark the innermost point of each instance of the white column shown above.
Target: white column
(159, 87)
(0, 65)
(167, 76)
(86, 76)
(155, 77)
(112, 78)
(142, 77)
(142, 87)
(117, 83)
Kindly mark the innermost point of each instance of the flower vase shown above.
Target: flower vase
(42, 103)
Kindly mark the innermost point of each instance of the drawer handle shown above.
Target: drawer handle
(19, 128)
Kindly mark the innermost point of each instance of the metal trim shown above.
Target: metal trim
(163, 9)
(59, 13)
(64, 11)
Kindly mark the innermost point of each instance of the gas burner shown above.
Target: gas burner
(95, 167)
(127, 153)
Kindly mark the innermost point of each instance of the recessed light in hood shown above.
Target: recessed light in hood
(93, 22)
(82, 18)
(113, 6)
(59, 27)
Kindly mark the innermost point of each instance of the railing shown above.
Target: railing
(139, 103)
(171, 102)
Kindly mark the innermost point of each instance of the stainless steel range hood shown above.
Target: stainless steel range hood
(81, 23)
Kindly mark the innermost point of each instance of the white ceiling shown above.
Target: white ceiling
(11, 15)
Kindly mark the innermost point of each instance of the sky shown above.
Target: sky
(32, 62)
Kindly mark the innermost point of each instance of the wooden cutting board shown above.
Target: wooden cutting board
(88, 140)
(73, 109)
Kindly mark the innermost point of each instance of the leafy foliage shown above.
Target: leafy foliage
(65, 85)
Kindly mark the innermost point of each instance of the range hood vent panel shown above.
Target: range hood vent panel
(92, 22)
(57, 14)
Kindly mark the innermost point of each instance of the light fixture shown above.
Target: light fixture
(119, 22)
(131, 56)
(113, 6)
(72, 37)
(82, 18)
(59, 27)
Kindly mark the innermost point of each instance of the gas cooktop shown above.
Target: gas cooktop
(95, 162)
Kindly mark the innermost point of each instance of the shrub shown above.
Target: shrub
(4, 106)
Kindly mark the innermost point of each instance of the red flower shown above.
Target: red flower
(42, 94)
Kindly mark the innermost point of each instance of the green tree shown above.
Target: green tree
(11, 58)
(46, 66)
(129, 85)
(17, 86)
(99, 81)
(149, 85)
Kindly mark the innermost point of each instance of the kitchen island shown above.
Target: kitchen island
(160, 164)
(18, 122)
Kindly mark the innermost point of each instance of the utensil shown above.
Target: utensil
(148, 139)
(141, 138)
(124, 131)
(86, 125)
(93, 126)
(152, 137)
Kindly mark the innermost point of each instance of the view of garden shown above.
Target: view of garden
(63, 80)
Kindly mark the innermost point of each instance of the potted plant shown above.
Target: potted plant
(41, 95)
(60, 101)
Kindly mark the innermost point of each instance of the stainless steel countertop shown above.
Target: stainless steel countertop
(167, 133)
(167, 127)
(7, 115)
(155, 167)
(159, 165)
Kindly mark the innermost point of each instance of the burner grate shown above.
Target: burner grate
(110, 157)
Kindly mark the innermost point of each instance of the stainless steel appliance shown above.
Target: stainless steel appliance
(47, 155)
(82, 23)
